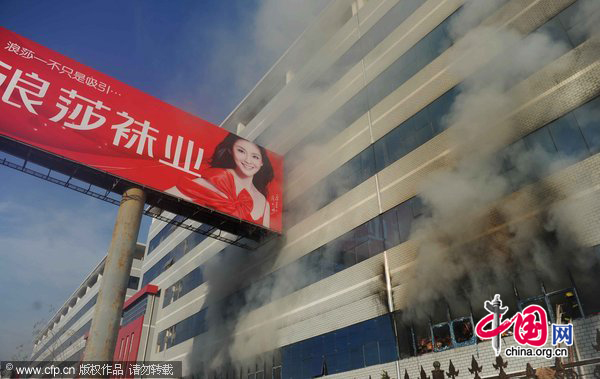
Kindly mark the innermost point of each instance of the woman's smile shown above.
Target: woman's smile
(247, 157)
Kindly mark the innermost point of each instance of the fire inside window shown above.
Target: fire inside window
(443, 336)
(562, 306)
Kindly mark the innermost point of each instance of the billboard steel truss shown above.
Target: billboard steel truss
(20, 156)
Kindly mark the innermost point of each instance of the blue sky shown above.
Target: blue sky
(202, 56)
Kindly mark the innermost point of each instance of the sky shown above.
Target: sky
(202, 56)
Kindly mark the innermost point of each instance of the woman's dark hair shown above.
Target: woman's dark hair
(223, 158)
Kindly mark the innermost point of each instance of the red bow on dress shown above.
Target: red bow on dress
(238, 205)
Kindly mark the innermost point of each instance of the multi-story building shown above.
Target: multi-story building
(437, 152)
(63, 337)
(420, 136)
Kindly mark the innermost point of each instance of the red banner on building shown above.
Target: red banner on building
(60, 106)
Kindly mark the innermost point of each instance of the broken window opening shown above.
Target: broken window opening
(422, 338)
(565, 305)
(536, 300)
(442, 339)
(462, 331)
(561, 306)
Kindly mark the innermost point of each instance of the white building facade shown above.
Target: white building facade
(63, 338)
(395, 118)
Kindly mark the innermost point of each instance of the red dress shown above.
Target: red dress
(238, 205)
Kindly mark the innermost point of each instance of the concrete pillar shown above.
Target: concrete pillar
(107, 312)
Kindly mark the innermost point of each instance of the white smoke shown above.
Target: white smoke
(456, 255)
(464, 201)
(272, 28)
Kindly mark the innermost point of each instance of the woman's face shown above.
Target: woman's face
(247, 157)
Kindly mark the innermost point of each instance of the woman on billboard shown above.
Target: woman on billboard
(236, 182)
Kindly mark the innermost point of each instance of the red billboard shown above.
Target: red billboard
(59, 106)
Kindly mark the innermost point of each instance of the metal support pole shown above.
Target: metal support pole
(388, 290)
(109, 306)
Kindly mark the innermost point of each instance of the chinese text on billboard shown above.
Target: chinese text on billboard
(60, 106)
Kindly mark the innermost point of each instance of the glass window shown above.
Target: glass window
(343, 260)
(337, 183)
(170, 262)
(317, 365)
(387, 351)
(169, 338)
(172, 257)
(418, 208)
(396, 145)
(317, 347)
(343, 360)
(163, 234)
(369, 330)
(390, 79)
(540, 139)
(176, 290)
(579, 33)
(409, 64)
(347, 113)
(421, 134)
(361, 234)
(382, 152)
(555, 30)
(331, 362)
(329, 342)
(371, 353)
(332, 260)
(440, 108)
(356, 357)
(134, 281)
(508, 153)
(341, 340)
(405, 217)
(375, 236)
(160, 341)
(367, 163)
(439, 40)
(567, 137)
(391, 232)
(362, 252)
(588, 118)
(394, 17)
(356, 335)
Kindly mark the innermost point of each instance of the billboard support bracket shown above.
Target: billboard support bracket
(205, 229)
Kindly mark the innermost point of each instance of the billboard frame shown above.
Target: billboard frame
(113, 135)
(245, 235)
